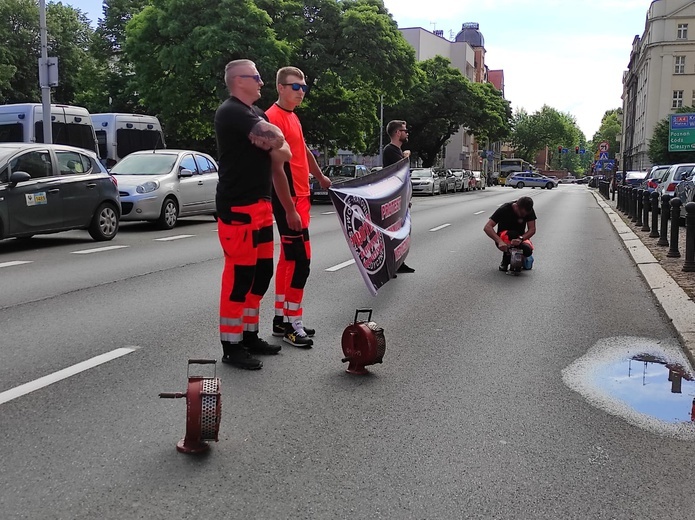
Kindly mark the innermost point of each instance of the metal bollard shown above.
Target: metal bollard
(628, 201)
(646, 204)
(663, 237)
(635, 198)
(673, 251)
(620, 197)
(689, 265)
(655, 215)
(640, 208)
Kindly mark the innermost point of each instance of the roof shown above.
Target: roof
(471, 36)
(496, 77)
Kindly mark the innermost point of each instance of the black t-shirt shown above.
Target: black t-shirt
(391, 155)
(244, 169)
(507, 220)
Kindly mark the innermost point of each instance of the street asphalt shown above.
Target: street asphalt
(468, 416)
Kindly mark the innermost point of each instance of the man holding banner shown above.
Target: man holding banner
(392, 153)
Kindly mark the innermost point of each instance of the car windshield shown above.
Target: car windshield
(421, 173)
(635, 175)
(145, 164)
(337, 170)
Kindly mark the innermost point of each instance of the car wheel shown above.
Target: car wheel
(519, 184)
(25, 237)
(169, 215)
(549, 186)
(104, 224)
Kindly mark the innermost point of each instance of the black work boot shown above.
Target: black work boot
(258, 346)
(506, 259)
(236, 355)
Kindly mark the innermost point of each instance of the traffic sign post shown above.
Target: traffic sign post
(604, 146)
(681, 133)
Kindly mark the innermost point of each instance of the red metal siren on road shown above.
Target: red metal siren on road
(363, 344)
(203, 409)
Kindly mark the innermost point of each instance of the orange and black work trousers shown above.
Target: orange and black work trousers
(295, 261)
(246, 236)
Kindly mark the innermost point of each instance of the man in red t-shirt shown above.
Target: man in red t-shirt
(293, 266)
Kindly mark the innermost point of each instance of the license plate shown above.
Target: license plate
(320, 193)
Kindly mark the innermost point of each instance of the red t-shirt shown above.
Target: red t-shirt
(298, 171)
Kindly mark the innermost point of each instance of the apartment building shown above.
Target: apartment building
(467, 54)
(660, 77)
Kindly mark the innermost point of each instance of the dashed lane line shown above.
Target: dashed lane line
(175, 237)
(328, 213)
(16, 262)
(340, 266)
(479, 213)
(97, 250)
(439, 228)
(44, 381)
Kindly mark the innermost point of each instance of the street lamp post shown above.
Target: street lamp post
(44, 76)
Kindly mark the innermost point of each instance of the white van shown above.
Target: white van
(121, 134)
(23, 123)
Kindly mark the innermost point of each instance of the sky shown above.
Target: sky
(567, 54)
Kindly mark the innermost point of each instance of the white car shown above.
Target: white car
(163, 185)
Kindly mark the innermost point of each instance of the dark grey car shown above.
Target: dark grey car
(53, 188)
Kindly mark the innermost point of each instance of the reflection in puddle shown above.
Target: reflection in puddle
(648, 383)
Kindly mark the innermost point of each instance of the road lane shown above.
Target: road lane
(467, 417)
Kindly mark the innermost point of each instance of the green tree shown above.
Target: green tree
(658, 144)
(111, 88)
(440, 102)
(546, 127)
(178, 57)
(352, 53)
(69, 35)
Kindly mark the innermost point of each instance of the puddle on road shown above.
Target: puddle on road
(648, 383)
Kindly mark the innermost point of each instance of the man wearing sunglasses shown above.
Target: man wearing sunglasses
(293, 265)
(247, 146)
(392, 153)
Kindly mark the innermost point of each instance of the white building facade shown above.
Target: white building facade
(660, 77)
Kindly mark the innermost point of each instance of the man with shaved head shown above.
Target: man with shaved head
(248, 147)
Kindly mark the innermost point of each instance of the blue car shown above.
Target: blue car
(530, 179)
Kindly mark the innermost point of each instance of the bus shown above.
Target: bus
(121, 134)
(23, 123)
(510, 166)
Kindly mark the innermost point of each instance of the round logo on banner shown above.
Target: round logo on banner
(368, 242)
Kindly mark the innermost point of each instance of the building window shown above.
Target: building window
(677, 99)
(680, 65)
(682, 31)
(693, 103)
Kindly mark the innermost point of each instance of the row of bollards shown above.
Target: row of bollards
(637, 203)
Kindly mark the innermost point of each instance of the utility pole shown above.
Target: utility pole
(44, 81)
(381, 133)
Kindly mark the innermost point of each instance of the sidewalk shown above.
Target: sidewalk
(673, 288)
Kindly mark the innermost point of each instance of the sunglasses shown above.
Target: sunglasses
(255, 77)
(296, 86)
(404, 130)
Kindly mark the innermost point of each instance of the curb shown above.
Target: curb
(679, 308)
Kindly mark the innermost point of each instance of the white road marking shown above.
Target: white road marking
(439, 228)
(97, 250)
(44, 381)
(328, 213)
(479, 212)
(340, 266)
(16, 262)
(175, 237)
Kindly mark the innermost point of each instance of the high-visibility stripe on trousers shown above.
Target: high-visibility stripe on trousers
(247, 242)
(294, 263)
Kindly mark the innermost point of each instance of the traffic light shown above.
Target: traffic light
(559, 149)
(576, 149)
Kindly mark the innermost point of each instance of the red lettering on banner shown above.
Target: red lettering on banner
(402, 248)
(390, 208)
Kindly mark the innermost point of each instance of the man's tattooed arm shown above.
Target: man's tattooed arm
(266, 136)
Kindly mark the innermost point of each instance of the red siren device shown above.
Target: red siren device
(363, 343)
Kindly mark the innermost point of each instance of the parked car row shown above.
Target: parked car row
(431, 181)
(52, 188)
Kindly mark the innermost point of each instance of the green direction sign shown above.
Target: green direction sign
(681, 133)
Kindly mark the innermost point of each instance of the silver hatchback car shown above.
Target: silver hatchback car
(163, 185)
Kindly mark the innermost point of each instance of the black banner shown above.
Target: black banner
(374, 212)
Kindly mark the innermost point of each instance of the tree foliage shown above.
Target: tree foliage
(441, 101)
(658, 144)
(178, 53)
(545, 127)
